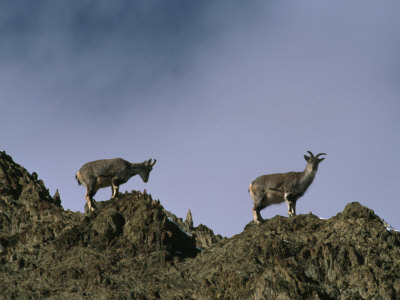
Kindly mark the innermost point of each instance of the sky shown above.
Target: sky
(219, 92)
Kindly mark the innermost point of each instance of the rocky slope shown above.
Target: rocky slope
(131, 248)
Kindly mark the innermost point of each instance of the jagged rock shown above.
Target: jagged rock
(133, 223)
(25, 205)
(189, 220)
(204, 236)
(57, 198)
(132, 248)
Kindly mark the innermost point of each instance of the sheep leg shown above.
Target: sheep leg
(291, 203)
(89, 197)
(258, 206)
(257, 216)
(115, 191)
(115, 188)
(90, 192)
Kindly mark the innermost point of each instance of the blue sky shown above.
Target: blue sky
(219, 93)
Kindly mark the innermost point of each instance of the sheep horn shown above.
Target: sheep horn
(312, 155)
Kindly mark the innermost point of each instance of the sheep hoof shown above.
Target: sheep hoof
(258, 222)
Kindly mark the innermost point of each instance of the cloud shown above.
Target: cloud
(105, 54)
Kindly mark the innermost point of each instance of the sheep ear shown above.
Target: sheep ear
(306, 158)
(320, 159)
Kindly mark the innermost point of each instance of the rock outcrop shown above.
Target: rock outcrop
(132, 248)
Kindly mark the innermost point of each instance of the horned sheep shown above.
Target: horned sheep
(110, 172)
(277, 188)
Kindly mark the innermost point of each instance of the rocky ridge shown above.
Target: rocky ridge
(132, 248)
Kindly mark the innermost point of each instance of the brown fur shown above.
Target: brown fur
(110, 172)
